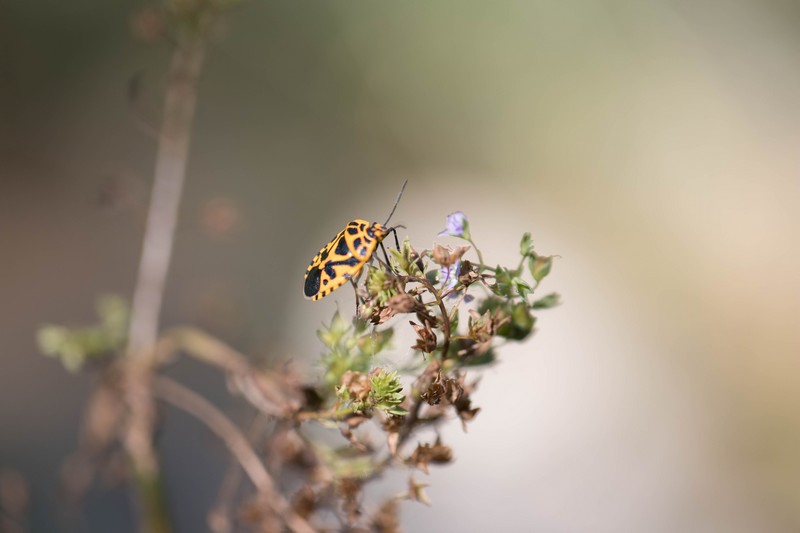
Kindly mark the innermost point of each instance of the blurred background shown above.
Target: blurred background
(652, 145)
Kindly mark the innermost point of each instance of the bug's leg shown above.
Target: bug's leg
(397, 243)
(385, 255)
(355, 291)
(354, 281)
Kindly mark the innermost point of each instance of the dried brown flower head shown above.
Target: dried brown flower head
(376, 314)
(403, 303)
(386, 520)
(349, 490)
(426, 338)
(425, 454)
(305, 502)
(483, 328)
(416, 492)
(357, 384)
(467, 274)
(444, 256)
(442, 388)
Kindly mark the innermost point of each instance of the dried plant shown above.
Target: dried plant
(459, 307)
(461, 312)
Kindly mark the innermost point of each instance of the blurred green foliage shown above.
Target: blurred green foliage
(77, 346)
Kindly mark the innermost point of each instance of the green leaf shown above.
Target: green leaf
(386, 393)
(454, 323)
(504, 285)
(522, 287)
(490, 304)
(486, 358)
(343, 463)
(405, 260)
(75, 346)
(332, 334)
(551, 300)
(540, 267)
(379, 285)
(520, 325)
(526, 245)
(374, 342)
(51, 339)
(114, 316)
(349, 348)
(432, 276)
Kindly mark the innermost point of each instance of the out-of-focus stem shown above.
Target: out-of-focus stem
(220, 516)
(481, 266)
(170, 173)
(191, 402)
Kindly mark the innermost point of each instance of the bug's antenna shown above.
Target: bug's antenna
(400, 195)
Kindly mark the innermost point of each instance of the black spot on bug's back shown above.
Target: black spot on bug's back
(362, 226)
(325, 282)
(363, 251)
(357, 243)
(352, 231)
(341, 247)
(311, 285)
(350, 261)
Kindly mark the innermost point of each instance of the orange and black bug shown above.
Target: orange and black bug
(346, 254)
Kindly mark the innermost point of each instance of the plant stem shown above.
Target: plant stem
(170, 173)
(481, 266)
(191, 402)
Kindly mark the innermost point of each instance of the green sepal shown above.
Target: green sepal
(546, 302)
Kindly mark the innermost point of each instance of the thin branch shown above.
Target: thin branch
(416, 403)
(191, 402)
(219, 518)
(194, 404)
(269, 393)
(170, 174)
(206, 348)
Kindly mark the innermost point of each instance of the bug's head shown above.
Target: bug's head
(377, 231)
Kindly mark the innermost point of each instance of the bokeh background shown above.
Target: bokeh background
(652, 145)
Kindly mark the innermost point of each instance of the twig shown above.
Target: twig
(270, 394)
(194, 404)
(416, 404)
(206, 348)
(170, 172)
(219, 518)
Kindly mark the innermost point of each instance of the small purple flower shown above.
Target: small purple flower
(457, 226)
(449, 275)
